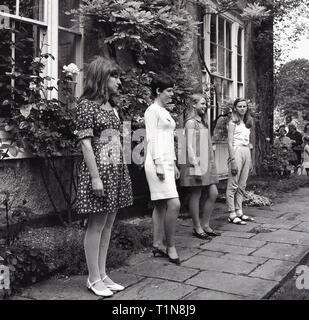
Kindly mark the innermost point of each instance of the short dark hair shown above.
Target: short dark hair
(161, 81)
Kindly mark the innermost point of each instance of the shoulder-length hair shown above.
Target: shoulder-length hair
(98, 72)
(235, 116)
(190, 111)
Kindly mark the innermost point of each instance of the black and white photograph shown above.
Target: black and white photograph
(154, 154)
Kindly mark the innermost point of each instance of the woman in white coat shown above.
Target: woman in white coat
(161, 170)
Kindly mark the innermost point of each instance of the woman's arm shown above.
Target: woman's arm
(193, 159)
(90, 161)
(230, 135)
(151, 124)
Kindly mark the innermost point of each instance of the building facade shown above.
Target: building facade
(226, 45)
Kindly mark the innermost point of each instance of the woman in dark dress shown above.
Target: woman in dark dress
(104, 181)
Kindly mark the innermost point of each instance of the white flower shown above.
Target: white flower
(32, 86)
(71, 69)
(26, 109)
(37, 59)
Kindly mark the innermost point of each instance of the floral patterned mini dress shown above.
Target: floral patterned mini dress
(102, 126)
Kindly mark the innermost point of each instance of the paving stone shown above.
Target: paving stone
(291, 206)
(236, 284)
(284, 236)
(251, 259)
(187, 253)
(282, 251)
(291, 216)
(239, 242)
(245, 235)
(221, 247)
(276, 223)
(236, 227)
(204, 294)
(267, 212)
(168, 271)
(219, 264)
(303, 226)
(212, 253)
(189, 241)
(273, 270)
(154, 289)
(304, 216)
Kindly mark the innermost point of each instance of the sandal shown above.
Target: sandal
(201, 235)
(243, 217)
(236, 220)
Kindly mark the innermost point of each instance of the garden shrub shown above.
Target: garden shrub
(39, 253)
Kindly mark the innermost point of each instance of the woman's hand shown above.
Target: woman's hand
(177, 173)
(97, 186)
(160, 172)
(234, 169)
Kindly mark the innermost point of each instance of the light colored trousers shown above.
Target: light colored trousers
(236, 185)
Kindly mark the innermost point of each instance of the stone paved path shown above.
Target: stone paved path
(246, 262)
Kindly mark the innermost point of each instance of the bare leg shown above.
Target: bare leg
(173, 206)
(194, 208)
(104, 243)
(158, 217)
(209, 206)
(96, 223)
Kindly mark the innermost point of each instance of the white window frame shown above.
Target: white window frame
(51, 25)
(235, 24)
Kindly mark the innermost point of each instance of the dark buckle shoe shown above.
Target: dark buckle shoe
(201, 235)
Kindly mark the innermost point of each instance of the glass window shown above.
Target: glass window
(67, 21)
(221, 32)
(239, 60)
(8, 4)
(213, 28)
(33, 9)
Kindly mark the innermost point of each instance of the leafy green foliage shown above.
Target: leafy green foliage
(26, 265)
(293, 88)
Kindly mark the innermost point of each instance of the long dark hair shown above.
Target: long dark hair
(98, 72)
(235, 116)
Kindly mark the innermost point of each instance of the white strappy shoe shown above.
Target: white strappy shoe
(114, 286)
(103, 293)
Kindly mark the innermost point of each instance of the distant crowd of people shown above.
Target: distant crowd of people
(295, 145)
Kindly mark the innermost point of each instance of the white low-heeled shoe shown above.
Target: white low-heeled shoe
(114, 286)
(102, 293)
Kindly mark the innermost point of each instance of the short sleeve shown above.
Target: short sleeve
(84, 121)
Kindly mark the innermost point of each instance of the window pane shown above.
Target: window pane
(221, 61)
(8, 6)
(65, 20)
(239, 68)
(228, 35)
(26, 47)
(240, 91)
(228, 64)
(218, 85)
(33, 9)
(221, 32)
(66, 53)
(239, 41)
(226, 88)
(213, 28)
(213, 58)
